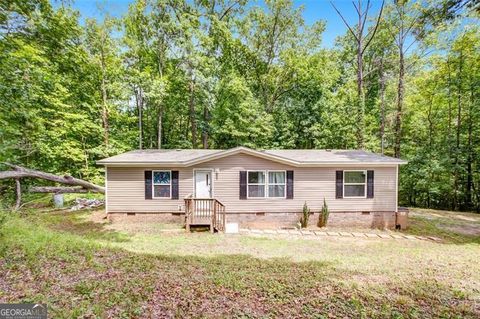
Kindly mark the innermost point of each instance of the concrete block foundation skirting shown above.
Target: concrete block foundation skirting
(378, 220)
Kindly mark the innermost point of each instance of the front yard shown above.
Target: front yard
(82, 266)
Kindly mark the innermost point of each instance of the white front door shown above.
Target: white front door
(203, 184)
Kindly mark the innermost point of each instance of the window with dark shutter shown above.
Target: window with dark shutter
(174, 184)
(148, 184)
(339, 184)
(243, 184)
(370, 183)
(289, 184)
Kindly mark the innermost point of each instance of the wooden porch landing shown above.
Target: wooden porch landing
(205, 212)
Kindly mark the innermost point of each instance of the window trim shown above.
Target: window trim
(266, 184)
(364, 171)
(153, 184)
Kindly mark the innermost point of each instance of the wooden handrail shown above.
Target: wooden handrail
(204, 209)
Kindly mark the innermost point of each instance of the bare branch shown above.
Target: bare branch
(228, 9)
(356, 8)
(410, 45)
(365, 18)
(375, 29)
(344, 21)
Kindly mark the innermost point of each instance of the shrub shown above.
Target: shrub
(323, 216)
(305, 217)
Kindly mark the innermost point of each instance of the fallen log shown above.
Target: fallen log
(22, 172)
(60, 189)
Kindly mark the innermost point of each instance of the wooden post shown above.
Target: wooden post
(187, 212)
(224, 216)
(214, 215)
(19, 194)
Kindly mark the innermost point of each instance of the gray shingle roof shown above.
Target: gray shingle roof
(160, 156)
(186, 157)
(357, 156)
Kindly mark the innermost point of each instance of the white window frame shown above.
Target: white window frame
(276, 184)
(266, 184)
(153, 184)
(364, 183)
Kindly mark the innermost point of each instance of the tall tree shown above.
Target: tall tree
(363, 38)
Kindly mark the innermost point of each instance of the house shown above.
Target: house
(254, 188)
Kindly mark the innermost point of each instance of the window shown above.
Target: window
(256, 184)
(276, 184)
(259, 186)
(354, 183)
(162, 184)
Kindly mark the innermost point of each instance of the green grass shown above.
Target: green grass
(82, 268)
(452, 227)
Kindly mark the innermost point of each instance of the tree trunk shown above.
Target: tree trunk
(360, 93)
(104, 100)
(160, 124)
(382, 108)
(470, 156)
(139, 102)
(193, 120)
(161, 55)
(458, 129)
(205, 127)
(449, 126)
(60, 189)
(361, 47)
(400, 95)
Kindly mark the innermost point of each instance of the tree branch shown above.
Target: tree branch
(21, 172)
(375, 29)
(344, 21)
(365, 18)
(59, 189)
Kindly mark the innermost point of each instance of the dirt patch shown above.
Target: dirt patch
(135, 224)
(469, 230)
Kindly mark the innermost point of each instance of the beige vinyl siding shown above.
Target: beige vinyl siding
(126, 188)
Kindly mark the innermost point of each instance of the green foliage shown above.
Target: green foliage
(323, 216)
(305, 216)
(176, 74)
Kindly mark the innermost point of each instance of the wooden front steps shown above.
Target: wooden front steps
(205, 212)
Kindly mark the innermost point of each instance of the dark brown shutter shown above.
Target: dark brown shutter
(148, 184)
(243, 184)
(370, 183)
(339, 184)
(174, 184)
(289, 184)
